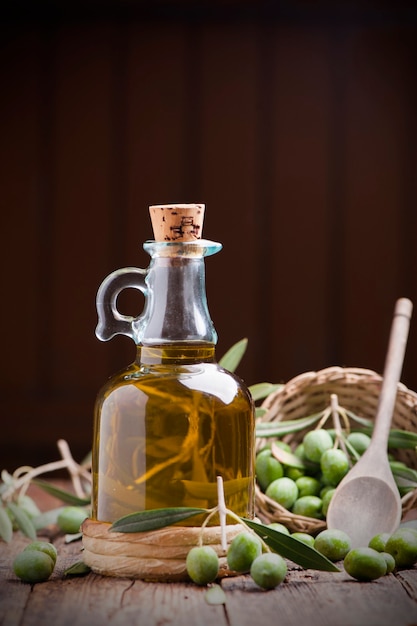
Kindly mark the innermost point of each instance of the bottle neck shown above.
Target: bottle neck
(176, 309)
(176, 354)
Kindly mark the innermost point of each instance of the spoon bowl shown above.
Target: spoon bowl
(367, 500)
(365, 506)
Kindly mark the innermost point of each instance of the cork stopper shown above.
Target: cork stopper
(177, 222)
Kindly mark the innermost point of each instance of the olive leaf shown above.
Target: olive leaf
(290, 548)
(287, 458)
(61, 494)
(396, 439)
(78, 569)
(231, 359)
(359, 420)
(28, 504)
(278, 429)
(401, 439)
(404, 476)
(47, 518)
(259, 391)
(350, 449)
(22, 520)
(153, 519)
(6, 526)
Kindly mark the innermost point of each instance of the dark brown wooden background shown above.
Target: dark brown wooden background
(295, 122)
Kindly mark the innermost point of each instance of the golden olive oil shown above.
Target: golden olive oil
(165, 428)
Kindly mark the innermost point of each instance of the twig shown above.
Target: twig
(72, 466)
(32, 473)
(335, 415)
(23, 475)
(222, 512)
(326, 414)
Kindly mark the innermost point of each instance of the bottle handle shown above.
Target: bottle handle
(110, 321)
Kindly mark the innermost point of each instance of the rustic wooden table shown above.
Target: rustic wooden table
(306, 597)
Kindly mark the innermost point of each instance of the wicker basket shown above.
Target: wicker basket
(309, 393)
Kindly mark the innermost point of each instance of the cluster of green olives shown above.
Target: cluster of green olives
(306, 487)
(36, 562)
(384, 553)
(244, 555)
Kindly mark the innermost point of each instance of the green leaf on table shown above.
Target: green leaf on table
(259, 391)
(61, 494)
(215, 595)
(234, 355)
(23, 520)
(290, 548)
(6, 525)
(153, 519)
(78, 569)
(28, 504)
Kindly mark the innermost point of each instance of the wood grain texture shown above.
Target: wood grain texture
(325, 599)
(317, 598)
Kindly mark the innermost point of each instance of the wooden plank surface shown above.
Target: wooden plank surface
(316, 598)
(323, 599)
(306, 596)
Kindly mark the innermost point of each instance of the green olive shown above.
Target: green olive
(43, 546)
(71, 518)
(244, 548)
(33, 566)
(202, 564)
(268, 570)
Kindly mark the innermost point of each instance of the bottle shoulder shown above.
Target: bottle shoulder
(173, 380)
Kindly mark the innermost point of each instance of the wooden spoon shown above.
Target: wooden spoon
(367, 501)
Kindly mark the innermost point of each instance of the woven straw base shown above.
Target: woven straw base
(157, 555)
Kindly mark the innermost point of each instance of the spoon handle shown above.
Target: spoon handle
(392, 371)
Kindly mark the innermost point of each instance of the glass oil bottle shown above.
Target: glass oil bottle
(170, 423)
